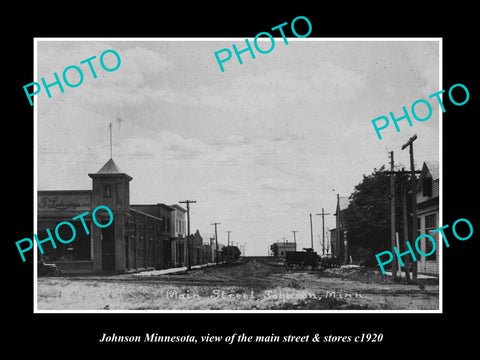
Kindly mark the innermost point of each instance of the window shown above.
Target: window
(75, 250)
(427, 186)
(428, 250)
(107, 191)
(430, 222)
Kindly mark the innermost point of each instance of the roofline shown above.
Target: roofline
(46, 192)
(110, 175)
(166, 206)
(176, 206)
(144, 213)
(155, 205)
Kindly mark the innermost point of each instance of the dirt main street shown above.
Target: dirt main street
(250, 284)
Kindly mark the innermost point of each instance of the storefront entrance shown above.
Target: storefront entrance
(108, 248)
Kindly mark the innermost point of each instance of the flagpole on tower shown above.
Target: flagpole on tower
(110, 126)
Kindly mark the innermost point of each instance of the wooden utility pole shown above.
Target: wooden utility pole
(228, 242)
(216, 242)
(404, 209)
(228, 237)
(413, 181)
(294, 238)
(392, 213)
(188, 256)
(311, 230)
(111, 152)
(405, 230)
(323, 230)
(337, 224)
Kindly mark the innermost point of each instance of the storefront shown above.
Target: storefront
(140, 237)
(62, 205)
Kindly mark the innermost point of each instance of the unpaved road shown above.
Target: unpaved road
(252, 284)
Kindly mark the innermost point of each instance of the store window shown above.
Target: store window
(107, 191)
(78, 249)
(427, 186)
(430, 224)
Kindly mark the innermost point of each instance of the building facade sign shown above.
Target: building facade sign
(63, 201)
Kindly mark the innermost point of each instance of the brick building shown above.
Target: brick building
(141, 237)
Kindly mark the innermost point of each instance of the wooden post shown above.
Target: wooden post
(398, 268)
(392, 212)
(311, 230)
(323, 229)
(188, 253)
(216, 242)
(413, 181)
(405, 230)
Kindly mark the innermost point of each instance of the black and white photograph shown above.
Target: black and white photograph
(217, 179)
(262, 187)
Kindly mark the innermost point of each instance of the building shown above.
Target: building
(54, 207)
(165, 232)
(280, 248)
(428, 215)
(141, 237)
(179, 245)
(338, 235)
(199, 255)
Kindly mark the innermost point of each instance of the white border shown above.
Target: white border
(35, 144)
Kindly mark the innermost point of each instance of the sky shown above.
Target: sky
(259, 146)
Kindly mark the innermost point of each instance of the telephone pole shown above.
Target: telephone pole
(189, 243)
(111, 152)
(402, 172)
(392, 214)
(216, 242)
(323, 229)
(405, 230)
(311, 231)
(228, 242)
(228, 238)
(294, 238)
(413, 180)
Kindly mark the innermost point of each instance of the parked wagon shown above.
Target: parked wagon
(301, 259)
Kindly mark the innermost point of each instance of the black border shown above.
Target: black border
(407, 333)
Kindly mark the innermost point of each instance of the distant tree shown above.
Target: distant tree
(274, 249)
(367, 218)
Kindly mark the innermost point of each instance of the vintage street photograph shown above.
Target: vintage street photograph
(261, 188)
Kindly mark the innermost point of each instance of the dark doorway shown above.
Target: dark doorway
(108, 247)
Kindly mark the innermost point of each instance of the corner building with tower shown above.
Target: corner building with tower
(141, 237)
